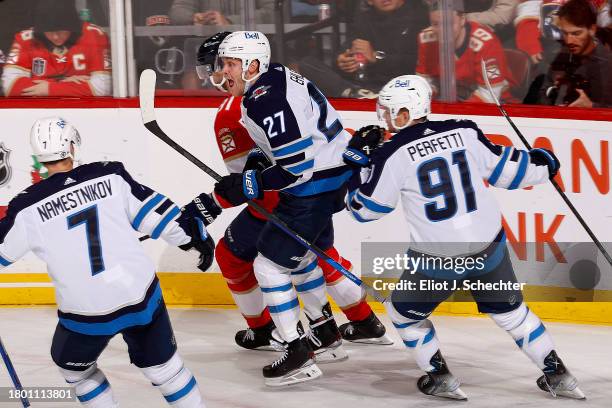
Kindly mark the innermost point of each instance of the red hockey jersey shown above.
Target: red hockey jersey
(480, 43)
(234, 145)
(84, 69)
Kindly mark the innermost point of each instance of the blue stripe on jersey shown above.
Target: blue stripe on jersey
(358, 217)
(429, 336)
(315, 283)
(116, 325)
(307, 269)
(182, 392)
(319, 186)
(411, 343)
(522, 170)
(283, 307)
(281, 288)
(164, 222)
(142, 213)
(372, 205)
(4, 261)
(95, 392)
(292, 148)
(289, 160)
(497, 171)
(300, 168)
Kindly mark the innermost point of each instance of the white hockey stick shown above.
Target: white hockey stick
(581, 220)
(147, 108)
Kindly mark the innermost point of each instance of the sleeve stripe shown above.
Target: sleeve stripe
(164, 222)
(358, 217)
(373, 205)
(300, 168)
(520, 173)
(146, 209)
(292, 148)
(4, 261)
(292, 160)
(500, 166)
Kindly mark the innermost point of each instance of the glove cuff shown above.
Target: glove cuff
(355, 157)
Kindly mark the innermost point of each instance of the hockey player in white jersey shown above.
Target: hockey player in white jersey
(292, 123)
(437, 168)
(81, 221)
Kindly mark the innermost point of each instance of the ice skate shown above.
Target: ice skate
(325, 339)
(296, 365)
(558, 380)
(441, 382)
(367, 331)
(264, 338)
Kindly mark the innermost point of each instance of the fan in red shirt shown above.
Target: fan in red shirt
(237, 250)
(473, 42)
(60, 56)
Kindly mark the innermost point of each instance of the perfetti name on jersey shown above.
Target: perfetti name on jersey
(433, 145)
(72, 199)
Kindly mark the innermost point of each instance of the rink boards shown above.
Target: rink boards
(114, 131)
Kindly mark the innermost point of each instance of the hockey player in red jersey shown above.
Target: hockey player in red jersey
(473, 42)
(59, 56)
(236, 251)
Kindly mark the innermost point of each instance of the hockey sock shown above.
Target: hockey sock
(348, 296)
(310, 286)
(418, 335)
(243, 286)
(280, 296)
(176, 383)
(91, 387)
(528, 332)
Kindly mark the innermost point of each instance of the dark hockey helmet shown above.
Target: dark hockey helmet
(206, 60)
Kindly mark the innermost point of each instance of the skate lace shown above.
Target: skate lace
(249, 335)
(281, 359)
(313, 338)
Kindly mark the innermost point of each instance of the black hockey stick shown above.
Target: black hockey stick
(147, 108)
(13, 374)
(483, 65)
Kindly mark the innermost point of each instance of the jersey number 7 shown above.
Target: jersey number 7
(444, 186)
(89, 217)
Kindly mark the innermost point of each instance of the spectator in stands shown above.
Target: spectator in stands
(473, 42)
(579, 76)
(60, 56)
(381, 44)
(500, 13)
(217, 12)
(531, 32)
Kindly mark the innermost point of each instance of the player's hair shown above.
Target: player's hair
(580, 13)
(56, 15)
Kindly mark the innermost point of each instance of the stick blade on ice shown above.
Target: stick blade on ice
(147, 95)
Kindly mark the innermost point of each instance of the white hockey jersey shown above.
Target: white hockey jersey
(293, 123)
(81, 223)
(438, 169)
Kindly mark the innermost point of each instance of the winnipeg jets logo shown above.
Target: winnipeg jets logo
(5, 168)
(259, 92)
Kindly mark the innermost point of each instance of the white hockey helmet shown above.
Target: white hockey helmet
(410, 92)
(247, 46)
(51, 139)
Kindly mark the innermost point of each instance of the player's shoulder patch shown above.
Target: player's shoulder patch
(26, 35)
(428, 35)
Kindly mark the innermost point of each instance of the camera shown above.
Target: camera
(564, 91)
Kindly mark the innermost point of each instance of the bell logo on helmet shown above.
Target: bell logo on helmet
(61, 123)
(251, 35)
(401, 84)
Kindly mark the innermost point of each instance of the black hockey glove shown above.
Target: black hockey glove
(238, 188)
(257, 160)
(201, 242)
(362, 145)
(545, 157)
(202, 207)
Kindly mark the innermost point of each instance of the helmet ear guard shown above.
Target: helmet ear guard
(53, 139)
(410, 92)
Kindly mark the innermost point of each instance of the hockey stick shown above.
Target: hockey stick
(13, 374)
(483, 66)
(147, 108)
